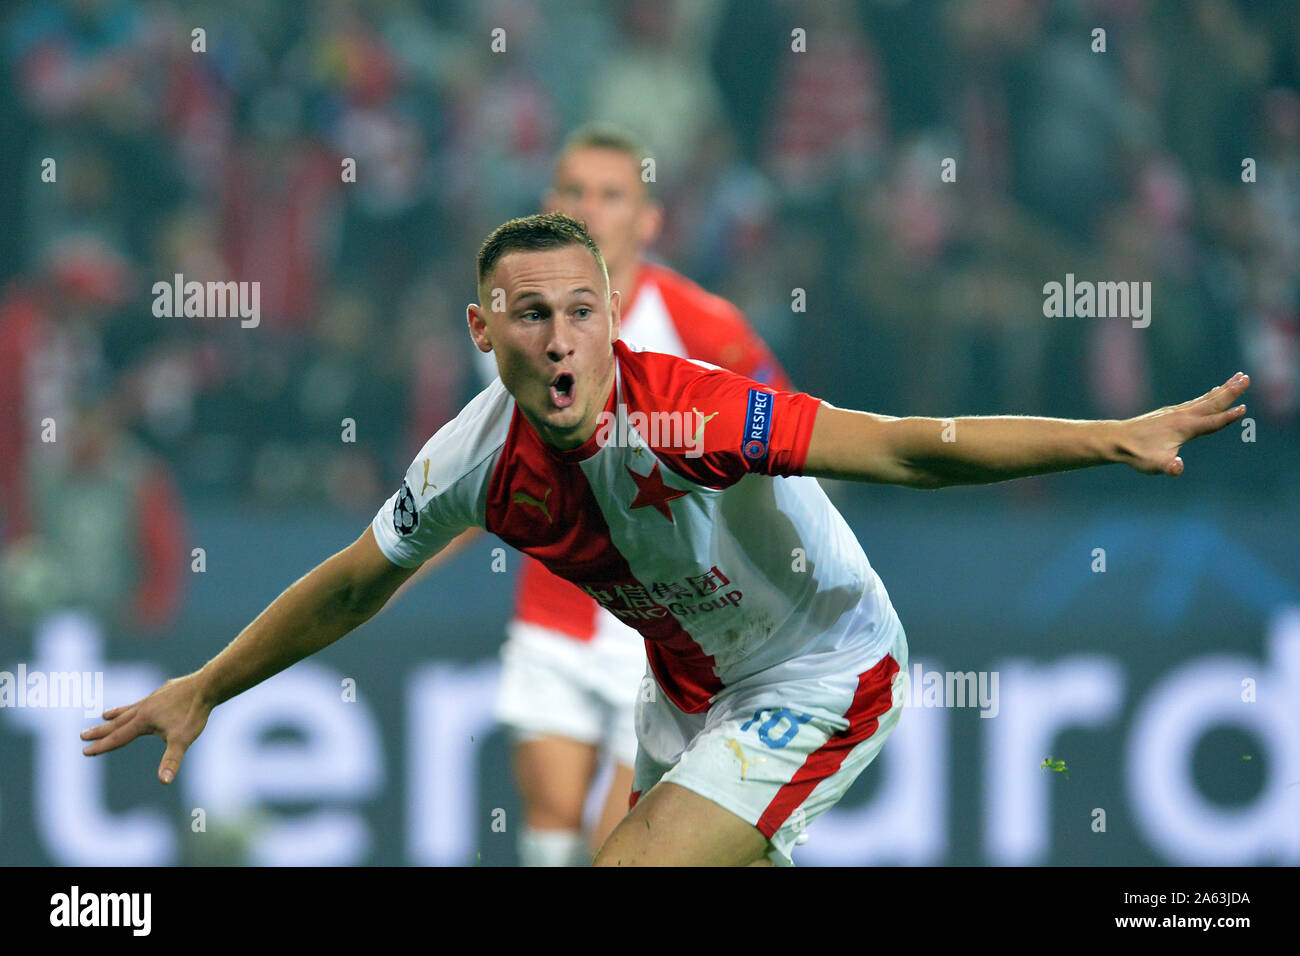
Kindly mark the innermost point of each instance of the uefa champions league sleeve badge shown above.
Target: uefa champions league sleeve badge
(405, 517)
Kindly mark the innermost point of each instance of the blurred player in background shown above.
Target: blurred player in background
(571, 670)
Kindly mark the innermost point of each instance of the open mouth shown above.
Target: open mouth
(562, 390)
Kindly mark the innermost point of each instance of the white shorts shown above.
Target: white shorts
(758, 754)
(584, 690)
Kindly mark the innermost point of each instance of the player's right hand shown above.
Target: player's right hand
(176, 712)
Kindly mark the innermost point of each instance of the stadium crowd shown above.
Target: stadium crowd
(803, 184)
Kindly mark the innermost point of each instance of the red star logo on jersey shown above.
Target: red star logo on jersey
(651, 490)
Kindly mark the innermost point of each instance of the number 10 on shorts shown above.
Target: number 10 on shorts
(773, 719)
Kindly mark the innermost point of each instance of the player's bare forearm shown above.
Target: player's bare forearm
(981, 450)
(331, 600)
(936, 453)
(309, 615)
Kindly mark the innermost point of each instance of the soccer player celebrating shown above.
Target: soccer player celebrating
(775, 656)
(571, 670)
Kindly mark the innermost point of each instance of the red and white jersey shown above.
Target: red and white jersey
(665, 312)
(728, 581)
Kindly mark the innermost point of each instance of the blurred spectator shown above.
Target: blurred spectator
(86, 61)
(1272, 325)
(89, 517)
(431, 338)
(658, 84)
(277, 201)
(503, 124)
(375, 124)
(720, 217)
(104, 531)
(50, 354)
(1216, 65)
(829, 123)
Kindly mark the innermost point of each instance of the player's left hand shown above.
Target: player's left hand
(1150, 442)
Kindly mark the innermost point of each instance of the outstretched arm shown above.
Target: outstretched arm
(935, 453)
(329, 601)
